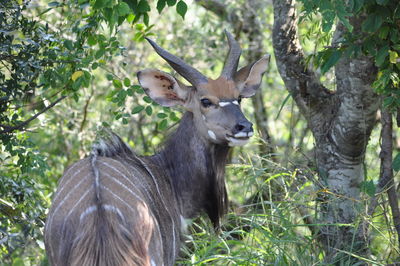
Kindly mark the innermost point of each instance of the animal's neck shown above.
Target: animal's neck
(196, 168)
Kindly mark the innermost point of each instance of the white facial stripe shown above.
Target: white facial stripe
(250, 134)
(212, 135)
(236, 142)
(223, 104)
(235, 102)
(241, 135)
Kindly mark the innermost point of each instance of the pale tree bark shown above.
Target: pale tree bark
(341, 122)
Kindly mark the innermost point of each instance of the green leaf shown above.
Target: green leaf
(368, 187)
(160, 5)
(101, 4)
(100, 53)
(132, 4)
(127, 82)
(117, 84)
(123, 9)
(393, 57)
(130, 18)
(76, 75)
(147, 99)
(143, 6)
(163, 124)
(383, 32)
(137, 109)
(328, 19)
(381, 55)
(162, 115)
(181, 8)
(91, 40)
(396, 163)
(69, 44)
(137, 89)
(357, 5)
(372, 23)
(146, 19)
(382, 2)
(149, 110)
(118, 116)
(53, 4)
(109, 76)
(332, 60)
(171, 2)
(173, 117)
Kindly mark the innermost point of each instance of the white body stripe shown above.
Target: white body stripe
(163, 201)
(69, 214)
(59, 206)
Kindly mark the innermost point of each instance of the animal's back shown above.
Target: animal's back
(100, 216)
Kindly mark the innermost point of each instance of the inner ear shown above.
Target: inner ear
(248, 79)
(163, 88)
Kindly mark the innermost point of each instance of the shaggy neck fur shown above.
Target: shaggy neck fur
(196, 168)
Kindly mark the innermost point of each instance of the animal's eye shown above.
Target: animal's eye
(206, 102)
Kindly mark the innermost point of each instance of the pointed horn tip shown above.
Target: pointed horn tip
(228, 34)
(149, 40)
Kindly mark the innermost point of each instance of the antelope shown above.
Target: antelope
(117, 208)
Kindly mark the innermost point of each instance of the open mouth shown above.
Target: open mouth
(239, 139)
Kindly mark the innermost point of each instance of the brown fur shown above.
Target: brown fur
(102, 242)
(221, 88)
(104, 237)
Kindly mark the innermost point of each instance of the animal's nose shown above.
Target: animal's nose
(243, 126)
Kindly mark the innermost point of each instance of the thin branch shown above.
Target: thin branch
(85, 110)
(9, 129)
(386, 179)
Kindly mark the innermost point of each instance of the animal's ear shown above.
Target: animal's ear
(248, 78)
(163, 88)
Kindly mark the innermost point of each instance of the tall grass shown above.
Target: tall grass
(269, 223)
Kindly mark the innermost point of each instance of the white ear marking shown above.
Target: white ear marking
(235, 102)
(212, 135)
(222, 104)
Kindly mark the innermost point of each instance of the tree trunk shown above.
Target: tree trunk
(341, 122)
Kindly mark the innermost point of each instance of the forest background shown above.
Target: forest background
(316, 185)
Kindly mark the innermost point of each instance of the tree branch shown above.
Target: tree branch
(220, 9)
(9, 129)
(85, 110)
(301, 81)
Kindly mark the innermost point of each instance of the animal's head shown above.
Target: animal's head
(215, 104)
